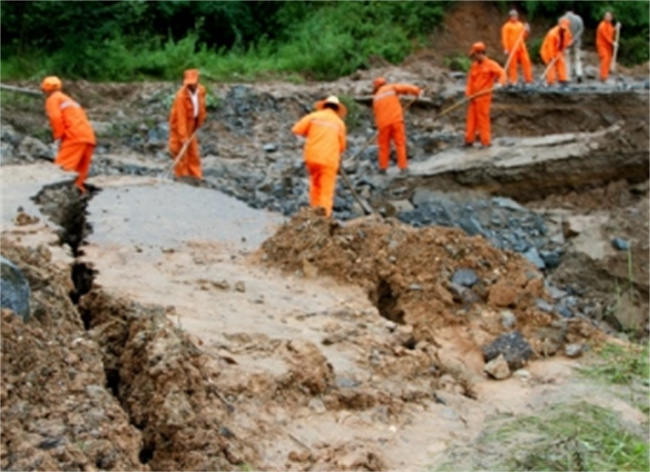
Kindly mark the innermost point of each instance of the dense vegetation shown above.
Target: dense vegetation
(130, 40)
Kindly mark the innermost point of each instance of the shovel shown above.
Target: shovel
(180, 155)
(553, 61)
(514, 49)
(612, 67)
(367, 208)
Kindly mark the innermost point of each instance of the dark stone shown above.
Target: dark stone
(551, 258)
(620, 244)
(508, 203)
(343, 382)
(564, 311)
(462, 294)
(465, 277)
(49, 443)
(513, 346)
(471, 226)
(14, 289)
(543, 305)
(271, 147)
(533, 256)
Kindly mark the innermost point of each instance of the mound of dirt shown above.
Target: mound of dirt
(412, 276)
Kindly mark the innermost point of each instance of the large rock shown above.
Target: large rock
(514, 348)
(9, 135)
(498, 368)
(14, 289)
(32, 148)
(6, 152)
(465, 277)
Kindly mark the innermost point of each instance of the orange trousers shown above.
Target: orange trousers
(560, 68)
(190, 163)
(605, 63)
(76, 157)
(397, 134)
(521, 56)
(478, 119)
(322, 184)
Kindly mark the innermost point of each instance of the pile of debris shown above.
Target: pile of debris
(429, 278)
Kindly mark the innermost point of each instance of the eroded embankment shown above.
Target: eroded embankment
(93, 382)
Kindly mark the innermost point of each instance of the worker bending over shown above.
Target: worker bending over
(513, 37)
(480, 82)
(325, 132)
(389, 118)
(605, 42)
(71, 127)
(557, 40)
(187, 115)
(574, 64)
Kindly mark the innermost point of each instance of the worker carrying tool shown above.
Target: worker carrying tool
(480, 83)
(389, 118)
(187, 115)
(574, 53)
(556, 41)
(326, 137)
(605, 43)
(71, 128)
(513, 38)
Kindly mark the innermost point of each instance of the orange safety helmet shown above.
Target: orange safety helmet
(334, 100)
(51, 83)
(191, 77)
(477, 47)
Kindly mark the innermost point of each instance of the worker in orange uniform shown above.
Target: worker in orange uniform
(389, 118)
(481, 78)
(71, 127)
(187, 115)
(605, 42)
(556, 42)
(513, 38)
(326, 136)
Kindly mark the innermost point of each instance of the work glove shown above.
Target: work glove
(506, 52)
(421, 94)
(497, 86)
(527, 28)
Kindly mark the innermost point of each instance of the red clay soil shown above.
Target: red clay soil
(407, 274)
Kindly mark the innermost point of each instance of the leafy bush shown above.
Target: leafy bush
(241, 40)
(134, 40)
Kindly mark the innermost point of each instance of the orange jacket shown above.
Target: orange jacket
(68, 120)
(386, 105)
(482, 75)
(605, 37)
(554, 43)
(510, 34)
(182, 122)
(325, 133)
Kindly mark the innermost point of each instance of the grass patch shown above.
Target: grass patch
(578, 436)
(621, 365)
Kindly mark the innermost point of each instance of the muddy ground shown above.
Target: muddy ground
(224, 326)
